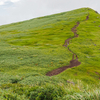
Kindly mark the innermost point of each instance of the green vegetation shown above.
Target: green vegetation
(29, 49)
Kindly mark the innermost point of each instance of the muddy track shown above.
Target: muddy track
(74, 62)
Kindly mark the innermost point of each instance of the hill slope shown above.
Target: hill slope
(31, 49)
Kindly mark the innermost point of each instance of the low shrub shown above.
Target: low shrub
(48, 92)
(15, 80)
(10, 97)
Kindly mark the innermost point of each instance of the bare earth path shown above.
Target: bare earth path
(74, 62)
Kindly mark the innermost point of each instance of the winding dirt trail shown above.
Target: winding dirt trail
(74, 62)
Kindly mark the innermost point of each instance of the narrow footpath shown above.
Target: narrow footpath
(74, 62)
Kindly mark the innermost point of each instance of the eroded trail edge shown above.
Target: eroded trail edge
(74, 62)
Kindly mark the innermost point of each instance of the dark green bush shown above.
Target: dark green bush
(10, 97)
(19, 90)
(15, 80)
(48, 92)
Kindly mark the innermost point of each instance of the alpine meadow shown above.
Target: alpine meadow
(55, 57)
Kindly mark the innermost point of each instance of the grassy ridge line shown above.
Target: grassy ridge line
(52, 35)
(27, 53)
(45, 20)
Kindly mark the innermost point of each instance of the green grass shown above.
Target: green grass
(29, 49)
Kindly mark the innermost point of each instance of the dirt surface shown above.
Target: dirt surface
(87, 17)
(74, 62)
(75, 34)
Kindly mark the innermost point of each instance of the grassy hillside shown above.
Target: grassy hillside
(30, 49)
